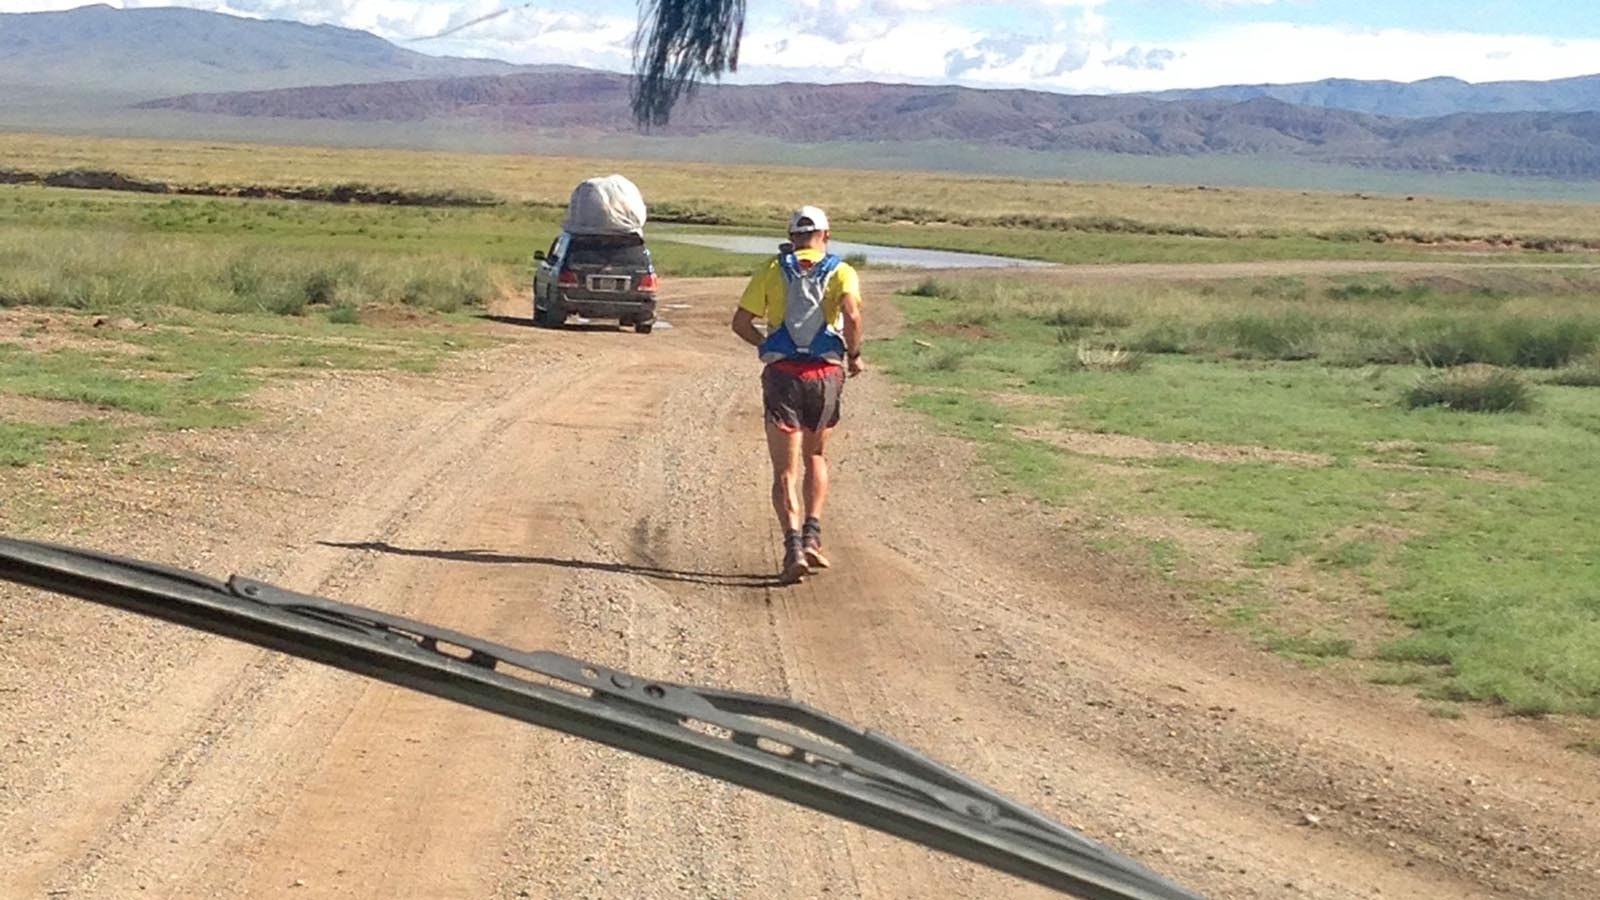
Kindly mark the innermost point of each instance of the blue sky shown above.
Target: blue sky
(1092, 46)
(1154, 20)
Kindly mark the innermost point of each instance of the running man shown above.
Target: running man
(811, 303)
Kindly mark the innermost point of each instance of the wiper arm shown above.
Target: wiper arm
(774, 746)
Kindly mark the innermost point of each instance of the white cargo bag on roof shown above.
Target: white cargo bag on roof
(609, 205)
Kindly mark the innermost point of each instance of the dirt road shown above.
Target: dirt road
(604, 494)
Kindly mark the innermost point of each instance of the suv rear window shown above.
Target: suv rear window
(608, 250)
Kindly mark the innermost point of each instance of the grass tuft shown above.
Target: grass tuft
(1315, 647)
(1288, 336)
(344, 314)
(1473, 388)
(1091, 358)
(1583, 372)
(933, 287)
(948, 359)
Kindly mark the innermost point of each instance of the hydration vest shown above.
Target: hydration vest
(804, 332)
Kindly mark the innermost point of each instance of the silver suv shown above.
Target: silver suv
(597, 277)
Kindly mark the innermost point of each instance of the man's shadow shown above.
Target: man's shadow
(714, 579)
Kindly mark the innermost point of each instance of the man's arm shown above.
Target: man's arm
(753, 305)
(850, 305)
(744, 325)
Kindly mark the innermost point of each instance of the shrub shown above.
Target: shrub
(1382, 290)
(321, 286)
(447, 289)
(1510, 341)
(933, 287)
(1584, 372)
(949, 359)
(1472, 388)
(1453, 342)
(1577, 376)
(1288, 336)
(1547, 343)
(344, 314)
(1161, 337)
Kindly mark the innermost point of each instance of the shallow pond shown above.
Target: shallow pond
(876, 254)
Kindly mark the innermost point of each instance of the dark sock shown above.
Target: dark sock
(813, 529)
(791, 539)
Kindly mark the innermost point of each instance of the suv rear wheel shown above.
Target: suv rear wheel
(554, 315)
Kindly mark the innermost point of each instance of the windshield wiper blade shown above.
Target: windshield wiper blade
(771, 745)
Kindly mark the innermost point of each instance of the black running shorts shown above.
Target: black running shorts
(802, 395)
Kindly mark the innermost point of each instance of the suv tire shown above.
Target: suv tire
(552, 316)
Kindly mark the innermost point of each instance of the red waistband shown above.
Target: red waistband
(804, 368)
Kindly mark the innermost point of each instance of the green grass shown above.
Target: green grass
(1498, 317)
(235, 291)
(27, 443)
(1075, 246)
(187, 369)
(1464, 533)
(1047, 220)
(433, 257)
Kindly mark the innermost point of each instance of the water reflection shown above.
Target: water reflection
(877, 255)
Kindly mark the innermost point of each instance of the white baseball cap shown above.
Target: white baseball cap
(807, 219)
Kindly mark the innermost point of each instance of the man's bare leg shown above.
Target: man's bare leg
(784, 447)
(812, 446)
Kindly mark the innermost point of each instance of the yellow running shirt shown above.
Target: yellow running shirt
(764, 296)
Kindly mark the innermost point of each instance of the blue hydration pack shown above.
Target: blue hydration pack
(805, 332)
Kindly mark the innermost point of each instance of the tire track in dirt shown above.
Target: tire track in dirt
(225, 686)
(421, 585)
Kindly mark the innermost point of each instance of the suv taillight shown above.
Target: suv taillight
(568, 278)
(649, 283)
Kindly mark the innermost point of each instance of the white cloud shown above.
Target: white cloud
(922, 41)
(1290, 53)
(1079, 53)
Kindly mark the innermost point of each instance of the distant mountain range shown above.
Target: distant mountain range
(1430, 97)
(156, 51)
(158, 60)
(1550, 144)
